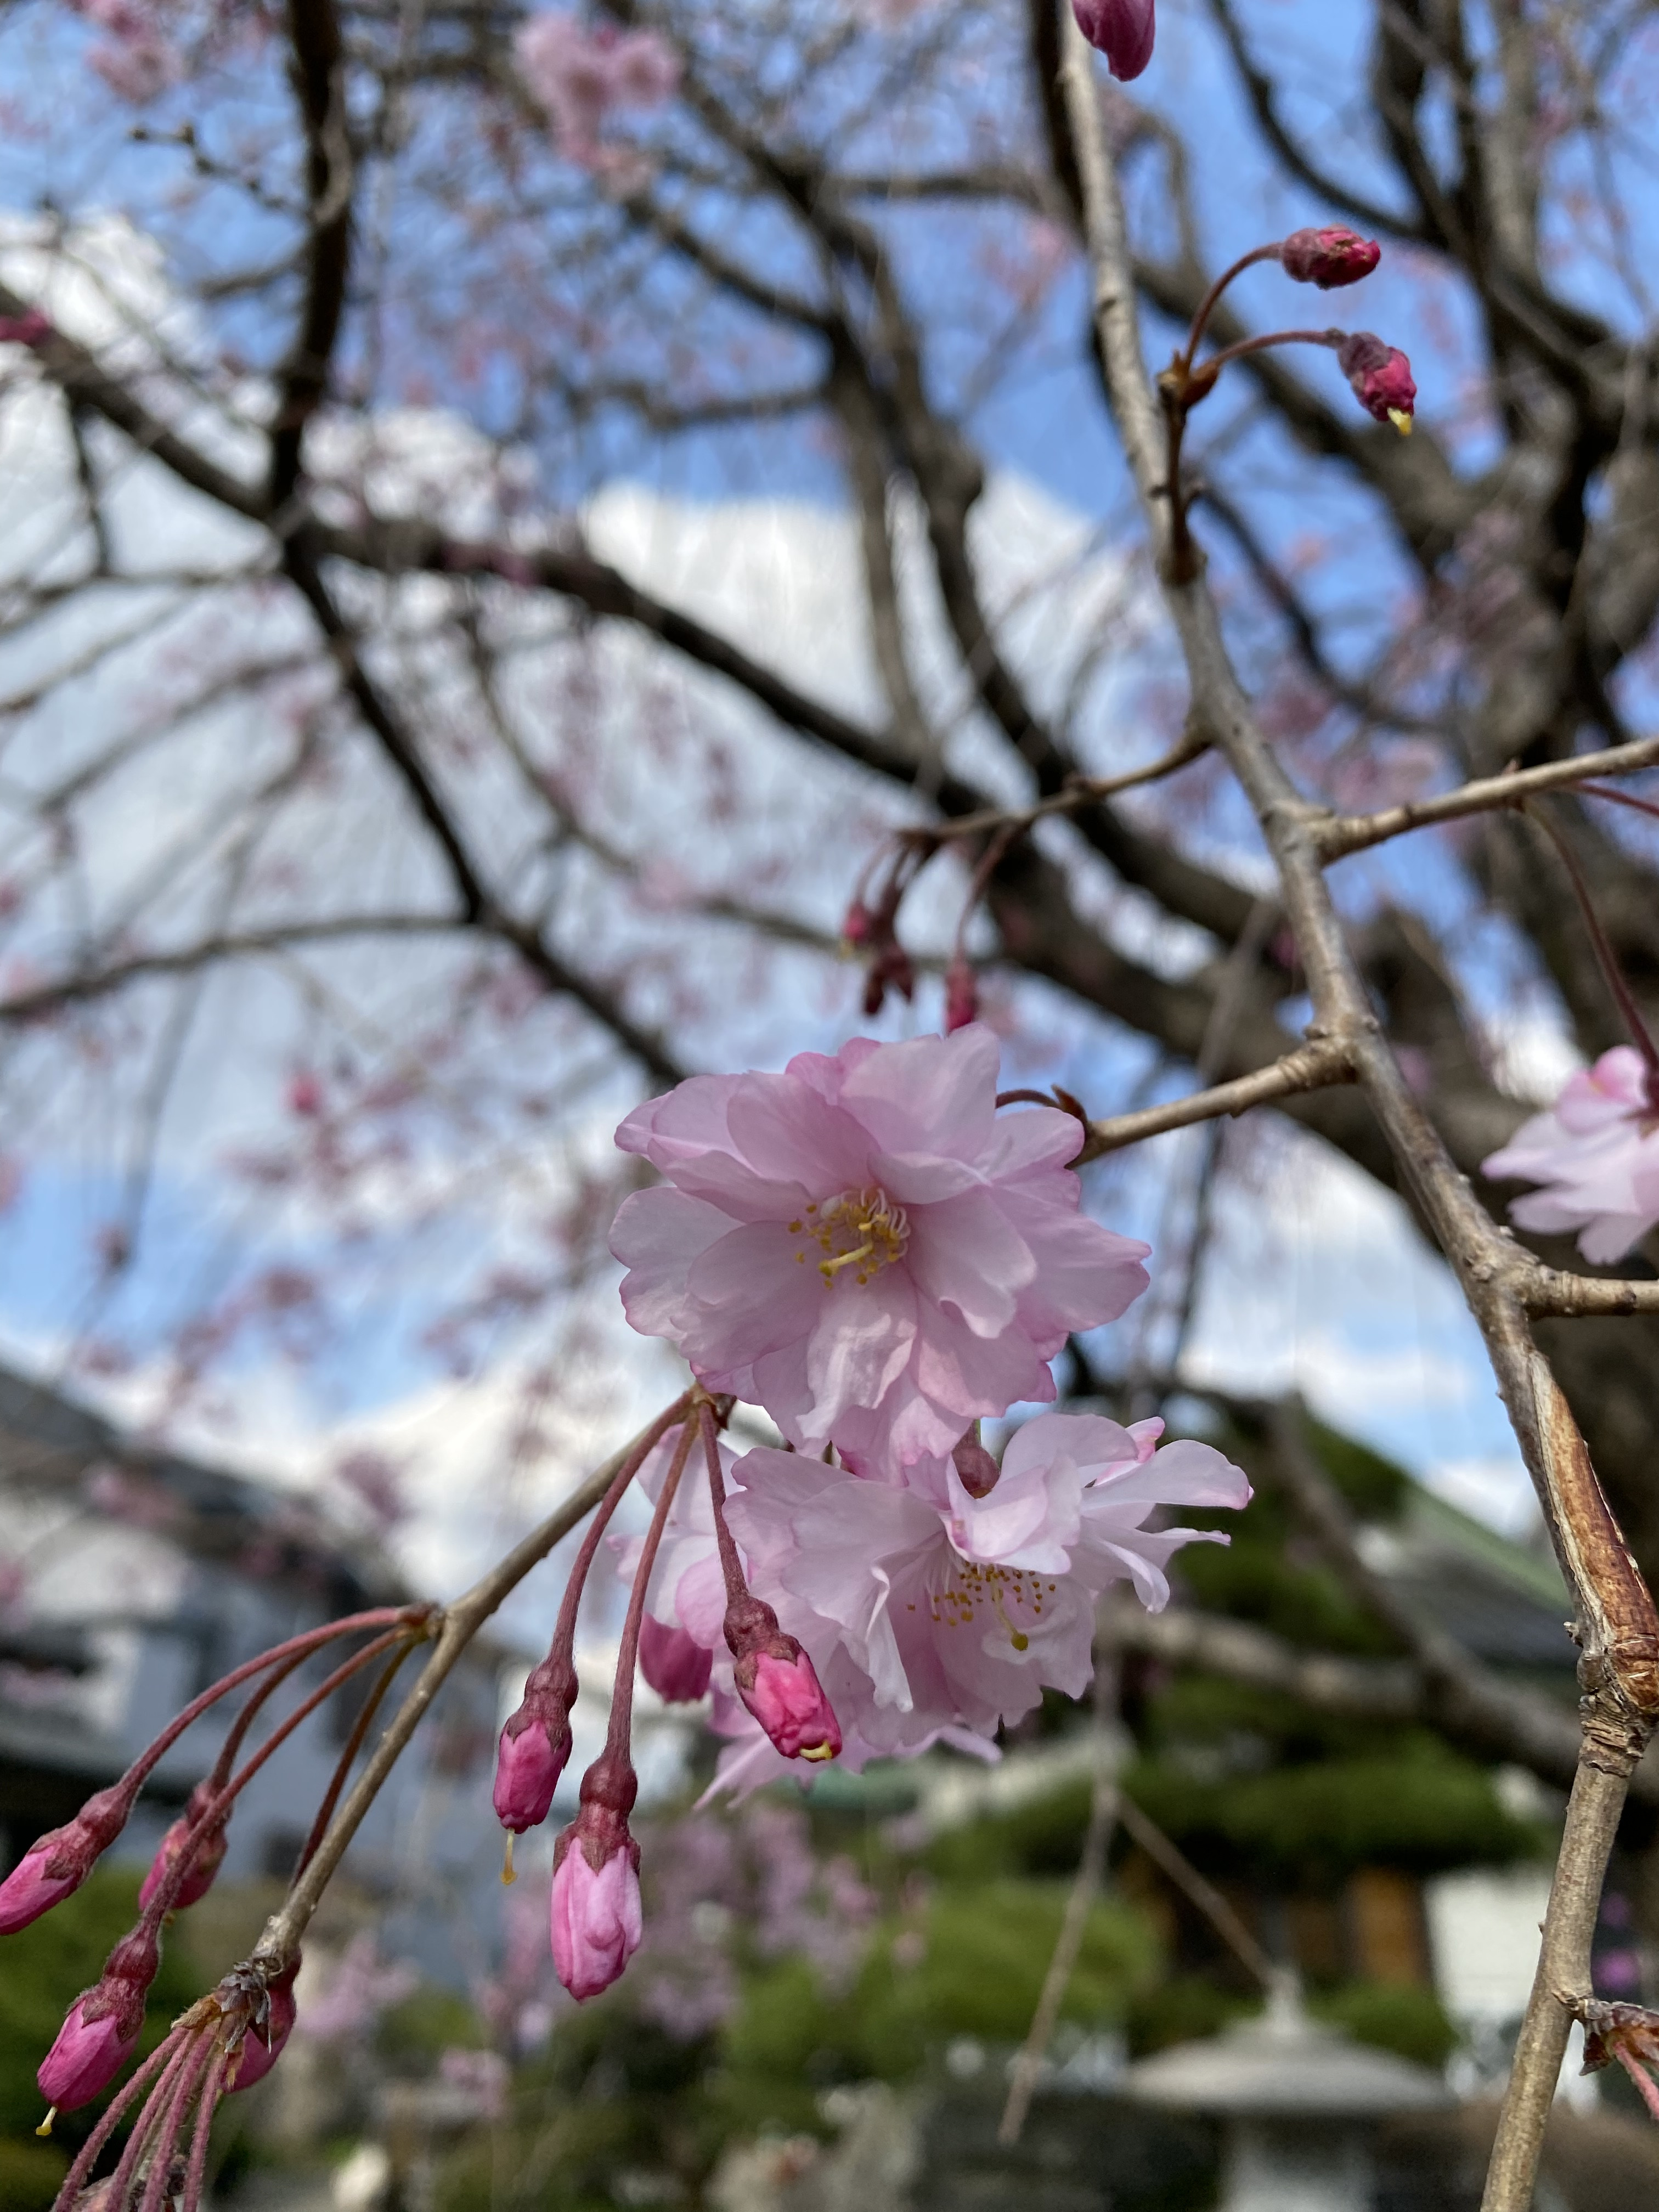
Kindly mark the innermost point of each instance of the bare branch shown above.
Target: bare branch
(1312, 1067)
(1343, 834)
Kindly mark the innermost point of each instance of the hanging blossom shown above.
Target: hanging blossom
(1595, 1154)
(924, 1609)
(864, 1247)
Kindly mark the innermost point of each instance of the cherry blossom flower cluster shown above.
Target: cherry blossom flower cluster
(868, 1249)
(872, 1250)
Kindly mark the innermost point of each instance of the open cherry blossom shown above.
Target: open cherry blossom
(923, 1613)
(864, 1247)
(1595, 1153)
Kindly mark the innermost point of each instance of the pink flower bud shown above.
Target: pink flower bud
(597, 1920)
(777, 1682)
(98, 2035)
(535, 1744)
(262, 2045)
(1123, 30)
(304, 1095)
(786, 1696)
(527, 1769)
(676, 1667)
(961, 996)
(87, 2057)
(977, 1470)
(1381, 378)
(205, 1860)
(31, 328)
(60, 1862)
(1329, 257)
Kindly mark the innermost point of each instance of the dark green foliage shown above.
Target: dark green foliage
(1412, 2023)
(43, 1969)
(1417, 1806)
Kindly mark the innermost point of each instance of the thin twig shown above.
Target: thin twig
(1339, 835)
(1105, 1806)
(1314, 1066)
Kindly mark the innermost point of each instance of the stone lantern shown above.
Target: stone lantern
(1298, 2101)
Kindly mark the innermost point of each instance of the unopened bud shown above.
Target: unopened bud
(675, 1665)
(778, 1683)
(596, 1917)
(86, 2058)
(535, 1746)
(58, 1863)
(1123, 30)
(1330, 256)
(205, 1860)
(101, 2029)
(1381, 378)
(976, 1471)
(597, 1920)
(961, 996)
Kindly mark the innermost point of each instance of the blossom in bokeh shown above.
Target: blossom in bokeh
(1595, 1154)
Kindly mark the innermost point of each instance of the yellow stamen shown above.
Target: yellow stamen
(1401, 421)
(828, 1268)
(818, 1751)
(45, 2128)
(508, 1872)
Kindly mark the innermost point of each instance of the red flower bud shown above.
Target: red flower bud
(1329, 257)
(676, 1667)
(101, 2029)
(961, 996)
(976, 1471)
(1381, 378)
(60, 1862)
(535, 1745)
(205, 1860)
(787, 1699)
(87, 2057)
(1123, 30)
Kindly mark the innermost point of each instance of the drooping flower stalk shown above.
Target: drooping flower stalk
(102, 2025)
(55, 1867)
(774, 1677)
(596, 1917)
(535, 1740)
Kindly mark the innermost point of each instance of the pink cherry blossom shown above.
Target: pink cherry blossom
(864, 1247)
(923, 1611)
(597, 1919)
(1123, 30)
(1596, 1154)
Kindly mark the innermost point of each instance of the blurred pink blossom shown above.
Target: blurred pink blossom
(1595, 1153)
(580, 77)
